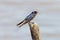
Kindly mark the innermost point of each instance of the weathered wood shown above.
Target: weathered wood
(34, 31)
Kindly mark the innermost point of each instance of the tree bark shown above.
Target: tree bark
(34, 29)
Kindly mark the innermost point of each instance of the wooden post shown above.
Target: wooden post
(34, 31)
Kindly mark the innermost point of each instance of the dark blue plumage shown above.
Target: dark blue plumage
(28, 18)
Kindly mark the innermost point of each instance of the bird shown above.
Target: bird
(28, 18)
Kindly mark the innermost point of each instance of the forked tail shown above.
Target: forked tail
(22, 23)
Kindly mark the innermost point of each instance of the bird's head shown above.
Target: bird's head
(35, 12)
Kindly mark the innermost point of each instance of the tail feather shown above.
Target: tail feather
(22, 23)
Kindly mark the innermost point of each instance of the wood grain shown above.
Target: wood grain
(34, 31)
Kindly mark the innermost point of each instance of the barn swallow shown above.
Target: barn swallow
(27, 19)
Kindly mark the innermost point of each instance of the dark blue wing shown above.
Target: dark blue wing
(30, 17)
